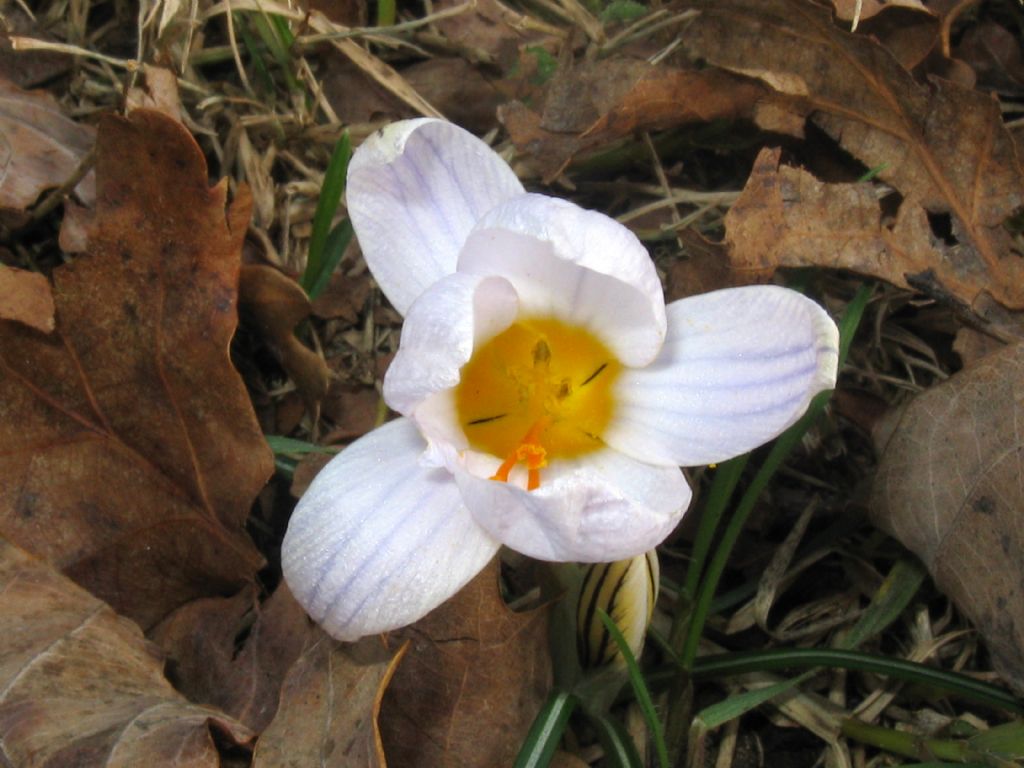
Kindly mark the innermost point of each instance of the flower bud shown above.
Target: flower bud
(626, 590)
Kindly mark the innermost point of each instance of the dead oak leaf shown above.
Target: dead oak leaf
(862, 10)
(81, 686)
(471, 683)
(233, 653)
(787, 218)
(278, 304)
(942, 147)
(330, 703)
(597, 103)
(131, 454)
(26, 298)
(949, 487)
(40, 147)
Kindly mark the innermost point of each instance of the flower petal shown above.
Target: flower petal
(600, 507)
(577, 265)
(379, 540)
(444, 324)
(738, 367)
(415, 190)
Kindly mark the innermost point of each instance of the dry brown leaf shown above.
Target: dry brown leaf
(376, 69)
(344, 298)
(330, 703)
(28, 69)
(81, 686)
(473, 679)
(25, 297)
(848, 10)
(949, 487)
(490, 31)
(350, 13)
(309, 467)
(567, 760)
(907, 33)
(40, 148)
(600, 102)
(787, 218)
(995, 54)
(702, 267)
(233, 653)
(354, 96)
(473, 104)
(352, 410)
(157, 89)
(358, 99)
(942, 147)
(132, 454)
(278, 304)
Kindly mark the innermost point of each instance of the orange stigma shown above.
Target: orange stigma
(530, 452)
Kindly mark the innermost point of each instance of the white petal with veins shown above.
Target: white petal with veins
(415, 190)
(599, 507)
(451, 318)
(738, 367)
(378, 540)
(579, 266)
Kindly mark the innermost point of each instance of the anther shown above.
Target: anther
(541, 353)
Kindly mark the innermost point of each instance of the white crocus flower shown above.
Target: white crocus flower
(549, 396)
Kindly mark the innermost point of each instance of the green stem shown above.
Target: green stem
(727, 475)
(907, 744)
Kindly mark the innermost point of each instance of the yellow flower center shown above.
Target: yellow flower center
(541, 389)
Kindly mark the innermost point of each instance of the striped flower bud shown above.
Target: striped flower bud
(626, 590)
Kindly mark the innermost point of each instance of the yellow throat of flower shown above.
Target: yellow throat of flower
(541, 389)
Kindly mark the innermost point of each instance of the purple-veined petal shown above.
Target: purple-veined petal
(449, 319)
(379, 540)
(738, 367)
(574, 264)
(599, 507)
(415, 190)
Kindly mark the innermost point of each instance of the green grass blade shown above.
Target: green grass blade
(546, 731)
(906, 743)
(326, 207)
(1006, 740)
(334, 249)
(275, 34)
(850, 321)
(722, 486)
(873, 172)
(619, 749)
(255, 50)
(291, 447)
(385, 13)
(643, 696)
(888, 603)
(728, 709)
(776, 659)
(286, 466)
(892, 598)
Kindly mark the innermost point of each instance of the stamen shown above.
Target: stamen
(595, 374)
(541, 353)
(485, 420)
